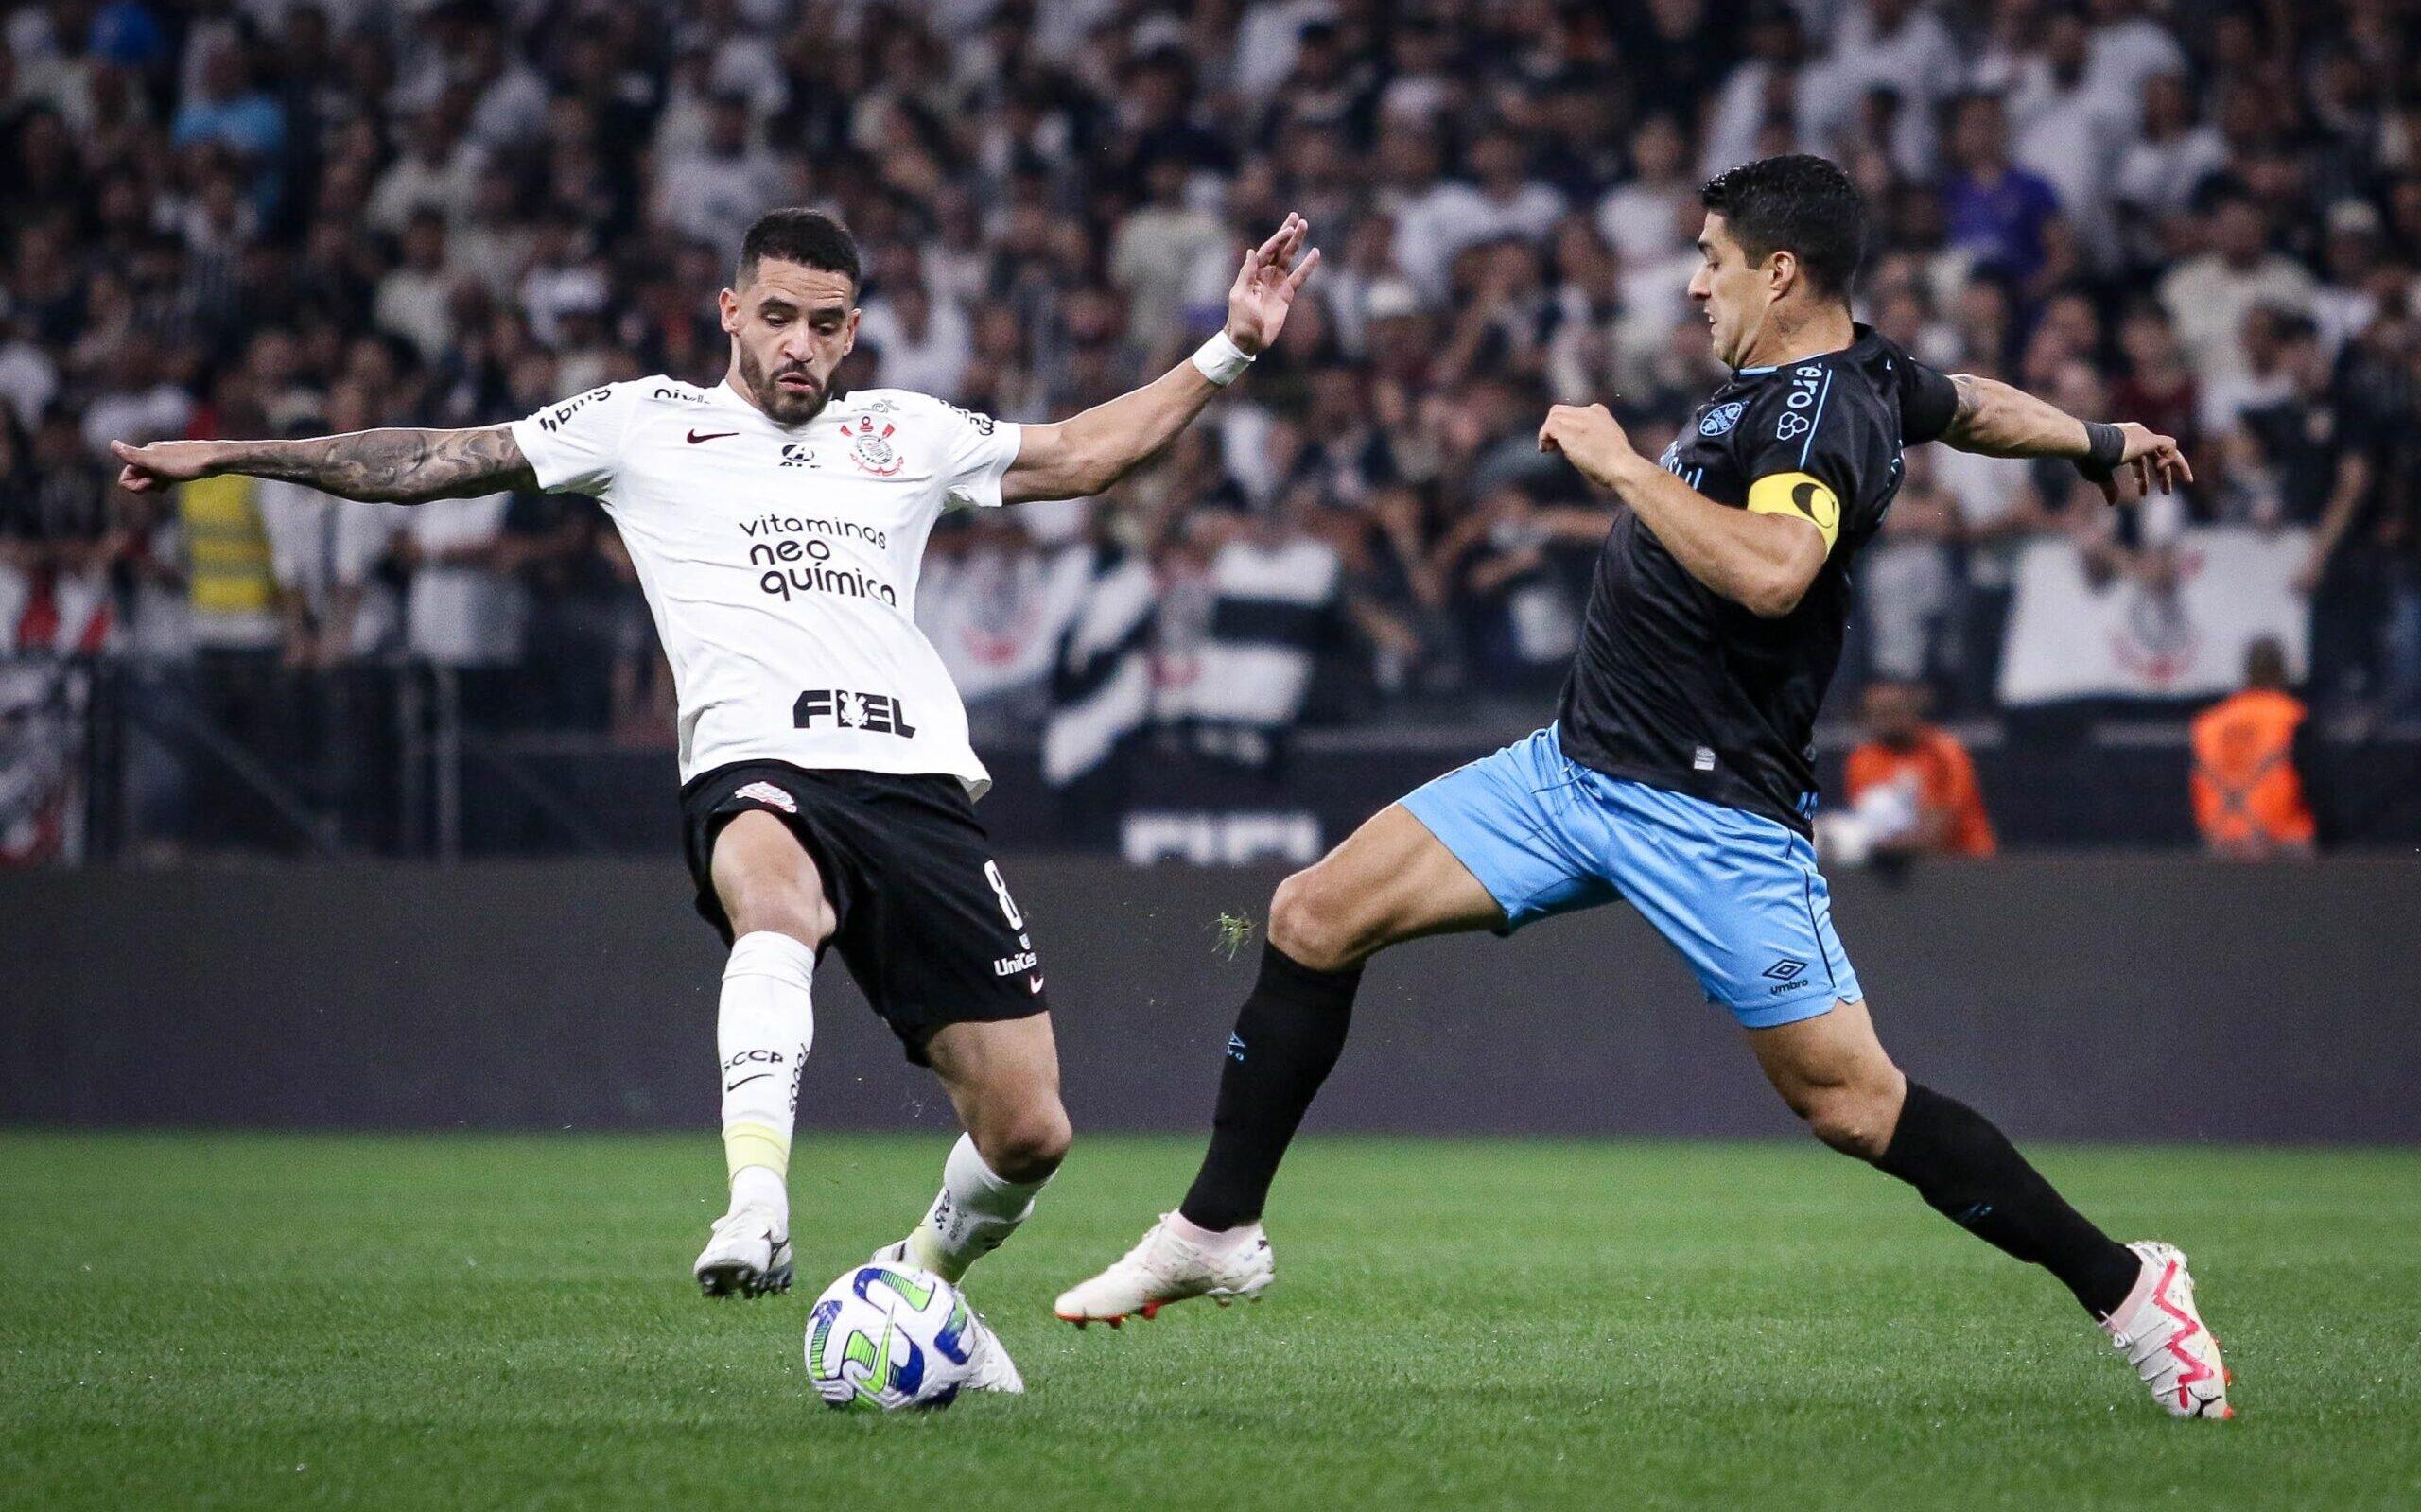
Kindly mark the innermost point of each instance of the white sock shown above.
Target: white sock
(973, 1212)
(1217, 1241)
(762, 1032)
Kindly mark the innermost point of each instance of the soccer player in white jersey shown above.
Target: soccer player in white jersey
(827, 785)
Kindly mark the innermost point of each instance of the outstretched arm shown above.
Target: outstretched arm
(394, 466)
(1086, 454)
(1999, 420)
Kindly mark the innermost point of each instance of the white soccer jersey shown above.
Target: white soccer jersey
(780, 561)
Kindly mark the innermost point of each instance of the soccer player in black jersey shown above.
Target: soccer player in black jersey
(1678, 776)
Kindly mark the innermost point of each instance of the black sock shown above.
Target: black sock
(1968, 1172)
(1287, 1038)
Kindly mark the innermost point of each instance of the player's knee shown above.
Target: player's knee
(1312, 922)
(809, 922)
(1029, 1144)
(1852, 1117)
(756, 901)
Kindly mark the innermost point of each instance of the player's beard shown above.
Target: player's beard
(784, 406)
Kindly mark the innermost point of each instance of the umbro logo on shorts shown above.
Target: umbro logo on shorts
(1785, 969)
(767, 793)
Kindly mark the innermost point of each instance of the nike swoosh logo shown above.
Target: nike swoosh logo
(745, 1080)
(711, 435)
(1034, 983)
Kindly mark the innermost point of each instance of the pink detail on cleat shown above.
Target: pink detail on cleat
(2189, 1326)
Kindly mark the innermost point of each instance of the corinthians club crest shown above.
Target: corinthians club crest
(870, 445)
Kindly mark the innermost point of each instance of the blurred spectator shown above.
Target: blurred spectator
(437, 173)
(2163, 168)
(414, 300)
(2210, 296)
(1908, 588)
(711, 193)
(227, 107)
(1444, 216)
(1515, 562)
(1638, 218)
(464, 606)
(2068, 124)
(1273, 595)
(2247, 785)
(1896, 49)
(1914, 784)
(325, 551)
(2000, 214)
(923, 345)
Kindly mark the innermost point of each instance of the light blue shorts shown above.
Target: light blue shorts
(1738, 895)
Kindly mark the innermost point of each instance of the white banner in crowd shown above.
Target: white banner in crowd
(2071, 636)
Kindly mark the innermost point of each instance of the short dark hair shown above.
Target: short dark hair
(1801, 203)
(807, 237)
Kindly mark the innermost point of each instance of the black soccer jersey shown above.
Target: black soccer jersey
(1676, 685)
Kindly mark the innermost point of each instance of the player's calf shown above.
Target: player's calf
(764, 1026)
(1003, 1078)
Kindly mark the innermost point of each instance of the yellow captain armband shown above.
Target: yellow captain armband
(1800, 495)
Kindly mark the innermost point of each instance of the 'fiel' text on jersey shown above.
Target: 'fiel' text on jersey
(875, 713)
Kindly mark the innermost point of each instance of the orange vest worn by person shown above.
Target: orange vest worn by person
(2245, 786)
(1946, 776)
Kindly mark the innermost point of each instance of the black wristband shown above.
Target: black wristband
(2104, 447)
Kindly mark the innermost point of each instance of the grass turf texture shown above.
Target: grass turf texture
(263, 1321)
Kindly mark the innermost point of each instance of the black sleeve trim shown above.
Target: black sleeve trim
(1928, 403)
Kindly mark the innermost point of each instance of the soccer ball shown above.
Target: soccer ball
(887, 1336)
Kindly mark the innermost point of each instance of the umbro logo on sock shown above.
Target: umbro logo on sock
(1235, 1046)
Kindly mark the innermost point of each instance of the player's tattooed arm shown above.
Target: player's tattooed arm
(396, 466)
(1996, 418)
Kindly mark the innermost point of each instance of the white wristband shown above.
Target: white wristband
(1221, 361)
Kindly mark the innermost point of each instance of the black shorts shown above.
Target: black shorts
(926, 926)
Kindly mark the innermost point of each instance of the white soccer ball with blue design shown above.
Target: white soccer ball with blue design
(886, 1337)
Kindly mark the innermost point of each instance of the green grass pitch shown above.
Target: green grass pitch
(470, 1322)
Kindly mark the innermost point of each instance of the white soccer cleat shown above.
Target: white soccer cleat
(2161, 1332)
(748, 1254)
(988, 1365)
(1167, 1267)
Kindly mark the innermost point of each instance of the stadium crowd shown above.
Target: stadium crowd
(270, 216)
